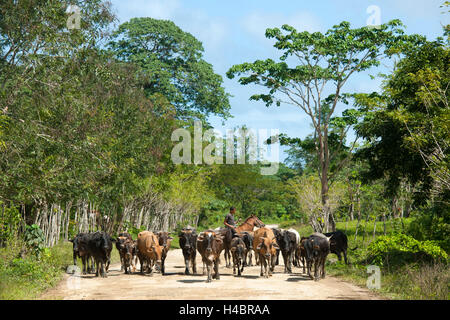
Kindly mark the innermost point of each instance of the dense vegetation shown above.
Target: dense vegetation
(87, 114)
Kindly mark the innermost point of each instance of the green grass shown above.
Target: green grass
(408, 281)
(27, 278)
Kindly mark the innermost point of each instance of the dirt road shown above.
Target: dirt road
(176, 285)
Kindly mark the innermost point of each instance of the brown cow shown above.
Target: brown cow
(149, 250)
(265, 246)
(164, 240)
(210, 245)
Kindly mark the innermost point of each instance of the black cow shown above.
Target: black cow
(99, 246)
(339, 244)
(248, 241)
(188, 244)
(238, 252)
(287, 242)
(81, 252)
(277, 233)
(317, 248)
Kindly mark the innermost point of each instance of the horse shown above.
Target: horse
(247, 225)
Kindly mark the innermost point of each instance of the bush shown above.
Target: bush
(399, 249)
(34, 239)
(431, 224)
(10, 219)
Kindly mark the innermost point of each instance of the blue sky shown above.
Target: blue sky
(232, 32)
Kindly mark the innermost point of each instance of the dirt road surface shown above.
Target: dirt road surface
(176, 285)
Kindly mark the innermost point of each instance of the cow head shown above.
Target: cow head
(164, 239)
(285, 241)
(267, 246)
(157, 251)
(211, 242)
(187, 238)
(238, 247)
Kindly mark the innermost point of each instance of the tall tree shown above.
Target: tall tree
(408, 125)
(324, 63)
(171, 60)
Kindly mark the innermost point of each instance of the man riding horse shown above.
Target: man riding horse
(229, 221)
(230, 230)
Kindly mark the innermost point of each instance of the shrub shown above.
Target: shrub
(431, 224)
(10, 219)
(399, 249)
(34, 239)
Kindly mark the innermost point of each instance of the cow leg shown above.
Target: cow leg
(204, 269)
(262, 264)
(83, 262)
(216, 269)
(309, 263)
(163, 266)
(234, 264)
(127, 265)
(271, 263)
(239, 268)
(345, 256)
(266, 268)
(316, 267)
(194, 264)
(228, 254)
(286, 262)
(208, 267)
(303, 263)
(103, 270)
(290, 262)
(294, 259)
(323, 267)
(141, 262)
(98, 265)
(150, 267)
(133, 264)
(245, 258)
(250, 258)
(121, 263)
(186, 263)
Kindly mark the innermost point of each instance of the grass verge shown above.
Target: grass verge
(24, 277)
(412, 281)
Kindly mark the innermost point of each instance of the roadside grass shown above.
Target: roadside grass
(24, 277)
(409, 281)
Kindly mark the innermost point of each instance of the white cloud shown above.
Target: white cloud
(158, 9)
(209, 30)
(256, 23)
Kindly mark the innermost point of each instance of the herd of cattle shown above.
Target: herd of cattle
(265, 243)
